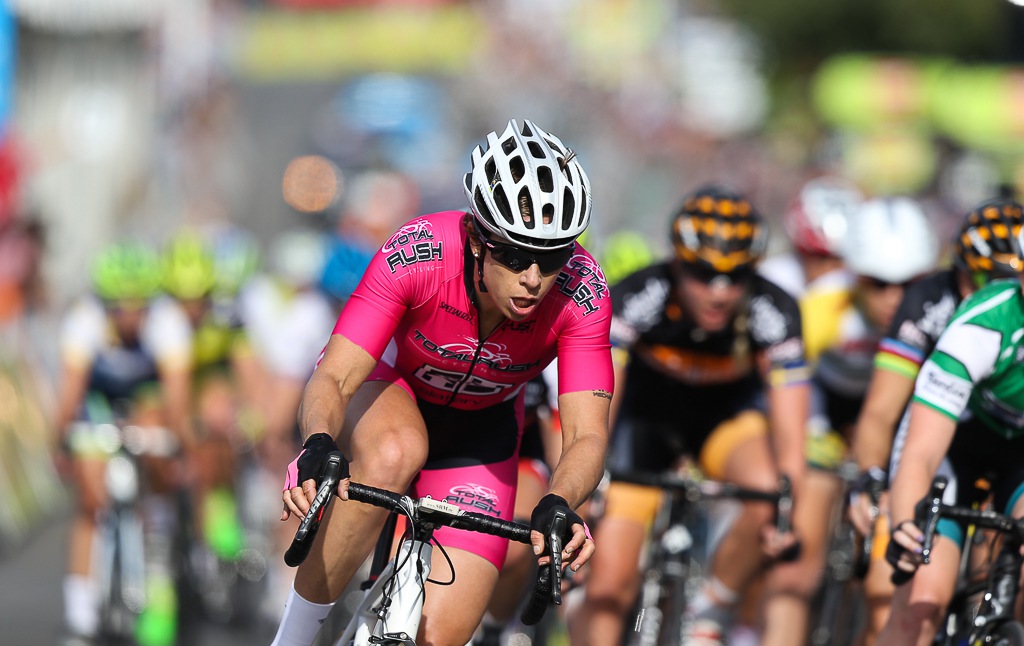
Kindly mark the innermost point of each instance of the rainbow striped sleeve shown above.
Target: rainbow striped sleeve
(896, 356)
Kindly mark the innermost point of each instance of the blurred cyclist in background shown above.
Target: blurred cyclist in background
(886, 244)
(984, 249)
(709, 366)
(221, 357)
(965, 413)
(126, 358)
(816, 223)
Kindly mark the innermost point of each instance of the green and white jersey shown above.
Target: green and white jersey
(978, 364)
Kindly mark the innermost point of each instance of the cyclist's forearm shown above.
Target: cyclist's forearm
(322, 409)
(884, 404)
(928, 439)
(584, 418)
(788, 408)
(579, 469)
(872, 439)
(176, 383)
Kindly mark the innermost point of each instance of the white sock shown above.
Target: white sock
(715, 601)
(301, 621)
(81, 607)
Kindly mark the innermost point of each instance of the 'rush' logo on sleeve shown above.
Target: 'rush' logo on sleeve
(418, 252)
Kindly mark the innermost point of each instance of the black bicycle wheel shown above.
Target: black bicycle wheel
(1010, 633)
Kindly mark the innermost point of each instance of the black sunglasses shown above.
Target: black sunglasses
(877, 283)
(519, 260)
(704, 274)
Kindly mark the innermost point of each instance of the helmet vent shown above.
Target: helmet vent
(508, 145)
(548, 213)
(517, 168)
(526, 209)
(501, 200)
(536, 150)
(568, 208)
(544, 178)
(481, 206)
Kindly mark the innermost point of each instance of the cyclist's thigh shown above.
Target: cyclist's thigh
(738, 451)
(89, 473)
(933, 584)
(451, 613)
(383, 430)
(533, 484)
(629, 512)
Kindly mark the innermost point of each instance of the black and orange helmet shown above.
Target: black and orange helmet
(718, 230)
(987, 244)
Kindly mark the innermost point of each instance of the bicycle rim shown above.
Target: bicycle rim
(1009, 633)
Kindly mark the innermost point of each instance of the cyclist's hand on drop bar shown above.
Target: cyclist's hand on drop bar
(905, 551)
(304, 473)
(577, 544)
(778, 541)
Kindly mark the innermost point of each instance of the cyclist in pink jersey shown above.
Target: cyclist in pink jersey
(422, 380)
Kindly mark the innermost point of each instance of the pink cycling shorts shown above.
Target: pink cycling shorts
(459, 478)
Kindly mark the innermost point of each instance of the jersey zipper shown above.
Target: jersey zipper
(472, 364)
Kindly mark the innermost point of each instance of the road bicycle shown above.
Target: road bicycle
(990, 621)
(678, 548)
(123, 550)
(838, 608)
(390, 611)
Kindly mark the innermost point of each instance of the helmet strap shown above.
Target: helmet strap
(480, 269)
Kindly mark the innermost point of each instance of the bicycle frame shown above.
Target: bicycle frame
(393, 618)
(391, 610)
(1002, 584)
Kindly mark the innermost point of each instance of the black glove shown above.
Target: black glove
(314, 454)
(544, 515)
(871, 481)
(893, 552)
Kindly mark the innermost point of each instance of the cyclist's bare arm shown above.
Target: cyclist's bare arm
(584, 417)
(74, 381)
(176, 388)
(341, 372)
(928, 438)
(885, 402)
(788, 407)
(620, 358)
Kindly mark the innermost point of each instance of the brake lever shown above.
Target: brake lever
(556, 547)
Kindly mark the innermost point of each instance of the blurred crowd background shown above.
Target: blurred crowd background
(344, 118)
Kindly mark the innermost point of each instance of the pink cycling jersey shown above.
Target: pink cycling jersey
(416, 292)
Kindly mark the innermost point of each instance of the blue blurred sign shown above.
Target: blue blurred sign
(8, 53)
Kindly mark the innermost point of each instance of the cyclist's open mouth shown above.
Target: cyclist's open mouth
(523, 305)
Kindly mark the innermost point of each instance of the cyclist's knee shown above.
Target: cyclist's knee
(799, 580)
(612, 593)
(394, 458)
(918, 616)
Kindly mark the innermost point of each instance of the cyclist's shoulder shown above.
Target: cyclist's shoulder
(643, 295)
(768, 298)
(652, 278)
(998, 305)
(425, 229)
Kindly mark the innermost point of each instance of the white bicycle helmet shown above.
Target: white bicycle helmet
(890, 239)
(817, 219)
(297, 256)
(527, 189)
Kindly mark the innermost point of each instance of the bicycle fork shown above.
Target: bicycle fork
(395, 620)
